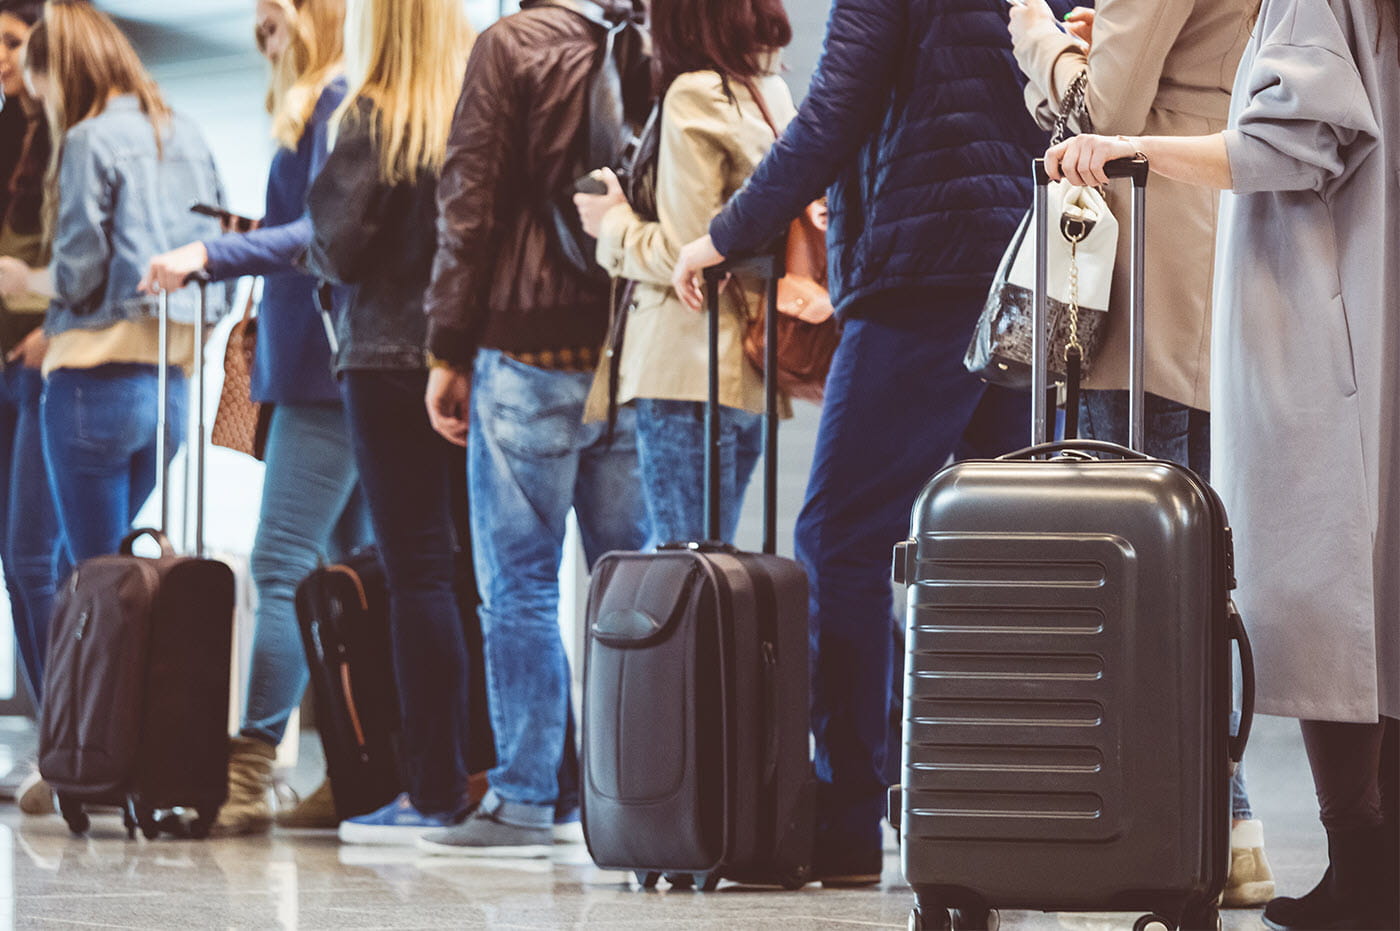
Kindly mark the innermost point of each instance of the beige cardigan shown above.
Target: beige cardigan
(710, 144)
(1165, 68)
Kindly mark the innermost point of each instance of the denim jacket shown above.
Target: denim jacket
(121, 202)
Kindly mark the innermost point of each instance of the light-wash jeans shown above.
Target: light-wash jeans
(671, 444)
(312, 511)
(530, 459)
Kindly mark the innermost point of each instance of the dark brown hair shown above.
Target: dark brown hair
(733, 37)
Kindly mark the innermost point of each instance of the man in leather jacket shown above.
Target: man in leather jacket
(515, 329)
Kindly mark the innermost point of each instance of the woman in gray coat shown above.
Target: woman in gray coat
(1306, 393)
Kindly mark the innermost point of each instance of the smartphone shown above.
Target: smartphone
(589, 184)
(231, 221)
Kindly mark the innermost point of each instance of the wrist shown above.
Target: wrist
(1136, 143)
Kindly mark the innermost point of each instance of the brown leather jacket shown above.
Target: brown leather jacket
(499, 280)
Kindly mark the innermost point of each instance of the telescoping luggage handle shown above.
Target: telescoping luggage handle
(195, 464)
(769, 266)
(1137, 169)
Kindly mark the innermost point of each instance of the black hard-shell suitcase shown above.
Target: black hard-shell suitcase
(696, 759)
(136, 709)
(1068, 696)
(343, 611)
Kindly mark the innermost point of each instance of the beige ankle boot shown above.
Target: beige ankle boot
(248, 810)
(317, 810)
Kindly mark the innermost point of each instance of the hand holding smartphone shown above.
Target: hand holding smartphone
(231, 222)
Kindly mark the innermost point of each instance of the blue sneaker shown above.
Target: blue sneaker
(396, 824)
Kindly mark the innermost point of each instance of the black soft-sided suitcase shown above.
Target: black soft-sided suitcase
(136, 708)
(1068, 697)
(343, 611)
(696, 760)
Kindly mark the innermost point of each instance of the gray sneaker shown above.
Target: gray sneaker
(483, 835)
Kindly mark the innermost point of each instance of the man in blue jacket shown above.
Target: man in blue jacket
(916, 127)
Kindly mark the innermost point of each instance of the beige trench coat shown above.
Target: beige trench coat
(1307, 358)
(710, 144)
(1156, 67)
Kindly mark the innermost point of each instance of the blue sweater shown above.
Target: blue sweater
(293, 363)
(917, 124)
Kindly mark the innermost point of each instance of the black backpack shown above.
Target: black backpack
(619, 101)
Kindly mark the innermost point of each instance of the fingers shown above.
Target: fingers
(1080, 14)
(147, 284)
(614, 185)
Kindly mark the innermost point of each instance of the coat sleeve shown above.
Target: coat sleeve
(1132, 39)
(848, 98)
(698, 124)
(82, 247)
(1306, 113)
(346, 204)
(272, 249)
(480, 150)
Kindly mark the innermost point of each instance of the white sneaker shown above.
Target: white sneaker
(569, 832)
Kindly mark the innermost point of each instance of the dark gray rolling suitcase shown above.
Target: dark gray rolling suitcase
(136, 711)
(697, 760)
(1068, 696)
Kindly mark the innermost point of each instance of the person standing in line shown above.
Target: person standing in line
(724, 106)
(29, 537)
(515, 331)
(915, 122)
(311, 506)
(1304, 402)
(1162, 69)
(373, 214)
(125, 170)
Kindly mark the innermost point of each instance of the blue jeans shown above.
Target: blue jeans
(311, 510)
(899, 404)
(1178, 434)
(530, 459)
(100, 449)
(407, 473)
(671, 445)
(29, 543)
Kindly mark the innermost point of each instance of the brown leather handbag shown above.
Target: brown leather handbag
(241, 423)
(808, 330)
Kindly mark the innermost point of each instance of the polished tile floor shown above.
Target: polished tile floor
(306, 880)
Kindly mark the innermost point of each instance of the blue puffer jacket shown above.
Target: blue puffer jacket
(917, 124)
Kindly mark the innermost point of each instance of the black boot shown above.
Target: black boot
(1353, 893)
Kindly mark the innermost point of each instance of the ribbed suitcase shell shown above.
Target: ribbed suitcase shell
(1069, 688)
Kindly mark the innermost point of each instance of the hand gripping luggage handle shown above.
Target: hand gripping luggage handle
(1241, 637)
(1137, 169)
(770, 266)
(196, 442)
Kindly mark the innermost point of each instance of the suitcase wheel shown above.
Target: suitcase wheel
(647, 880)
(72, 811)
(976, 919)
(146, 820)
(1154, 923)
(203, 824)
(798, 878)
(706, 882)
(1201, 918)
(929, 919)
(681, 881)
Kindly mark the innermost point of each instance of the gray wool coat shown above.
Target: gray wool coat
(1306, 357)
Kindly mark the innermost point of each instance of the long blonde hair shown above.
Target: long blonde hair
(313, 58)
(406, 57)
(87, 60)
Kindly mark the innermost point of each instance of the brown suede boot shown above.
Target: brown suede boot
(317, 810)
(248, 809)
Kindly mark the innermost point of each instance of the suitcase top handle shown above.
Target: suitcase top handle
(1075, 446)
(129, 542)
